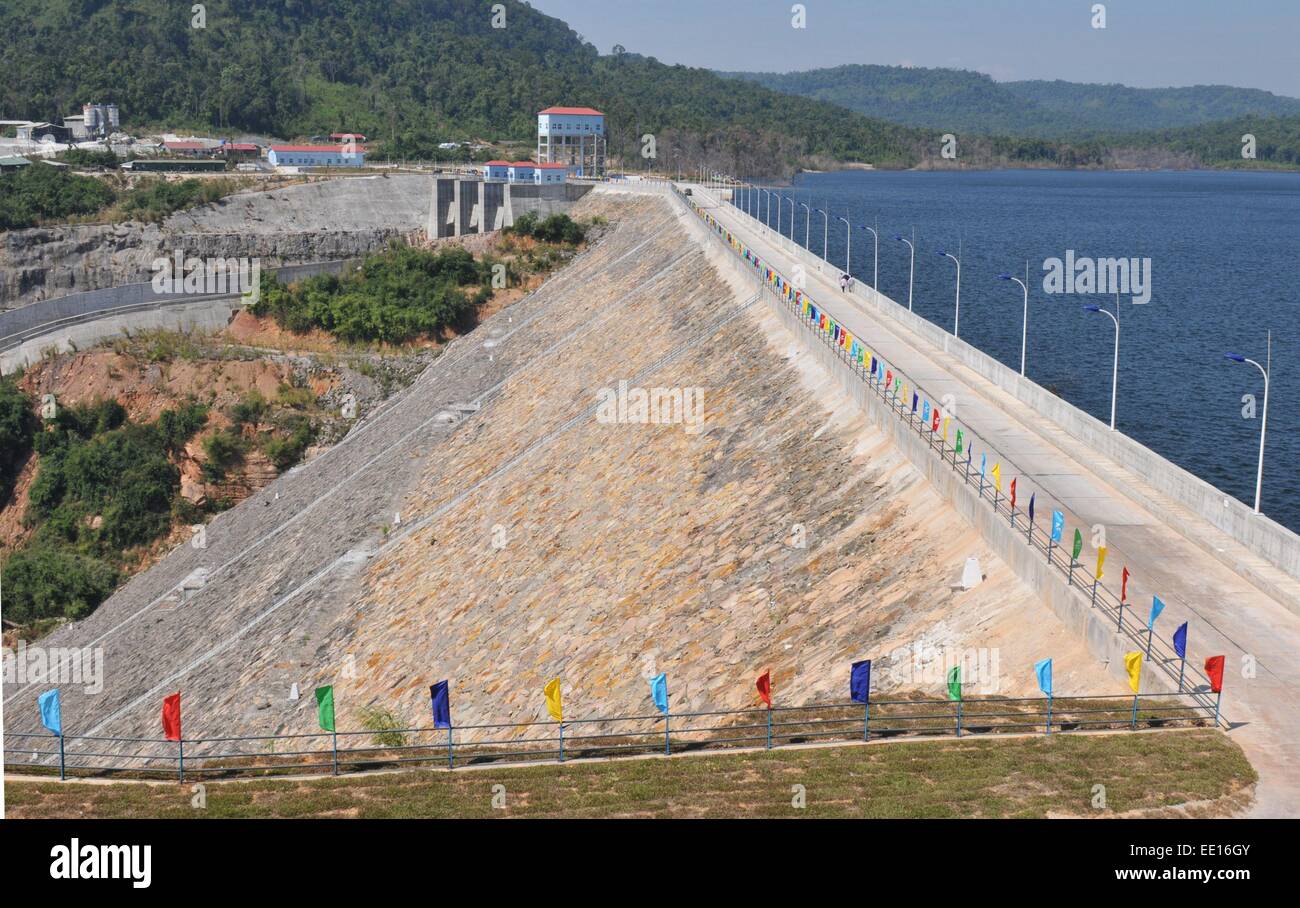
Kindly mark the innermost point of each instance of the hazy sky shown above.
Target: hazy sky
(1146, 43)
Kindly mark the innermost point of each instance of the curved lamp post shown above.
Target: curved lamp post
(1263, 426)
(791, 201)
(848, 247)
(911, 270)
(1114, 377)
(956, 319)
(807, 223)
(875, 272)
(1024, 328)
(826, 232)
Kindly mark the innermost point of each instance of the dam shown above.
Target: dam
(485, 525)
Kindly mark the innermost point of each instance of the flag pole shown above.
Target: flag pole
(1135, 712)
(769, 728)
(561, 742)
(1049, 714)
(180, 758)
(866, 720)
(1150, 629)
(1119, 622)
(61, 763)
(451, 753)
(959, 703)
(1217, 701)
(1049, 549)
(1094, 593)
(334, 737)
(1181, 666)
(668, 748)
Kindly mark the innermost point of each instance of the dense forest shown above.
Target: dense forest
(956, 100)
(410, 73)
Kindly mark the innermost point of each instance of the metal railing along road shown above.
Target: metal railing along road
(1158, 652)
(17, 326)
(524, 742)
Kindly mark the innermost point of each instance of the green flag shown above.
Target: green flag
(954, 683)
(959, 438)
(1078, 544)
(325, 707)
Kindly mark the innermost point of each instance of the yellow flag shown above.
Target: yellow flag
(946, 420)
(997, 476)
(1101, 560)
(1133, 665)
(552, 691)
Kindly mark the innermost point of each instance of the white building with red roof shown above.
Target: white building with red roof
(574, 137)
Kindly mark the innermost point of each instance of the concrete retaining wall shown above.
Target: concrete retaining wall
(1261, 535)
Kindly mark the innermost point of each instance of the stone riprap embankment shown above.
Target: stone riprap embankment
(492, 526)
(326, 220)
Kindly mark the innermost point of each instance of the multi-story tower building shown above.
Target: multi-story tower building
(573, 136)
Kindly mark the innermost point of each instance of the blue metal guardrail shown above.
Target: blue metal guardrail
(523, 742)
(1158, 652)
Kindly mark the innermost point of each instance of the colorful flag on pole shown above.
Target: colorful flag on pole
(934, 417)
(1156, 608)
(440, 700)
(51, 712)
(860, 681)
(1078, 544)
(1214, 671)
(1058, 525)
(1043, 669)
(325, 707)
(954, 682)
(1101, 561)
(984, 462)
(659, 692)
(171, 717)
(1133, 665)
(925, 411)
(946, 420)
(1180, 641)
(1013, 494)
(1123, 587)
(997, 476)
(959, 439)
(915, 397)
(552, 692)
(1031, 506)
(764, 685)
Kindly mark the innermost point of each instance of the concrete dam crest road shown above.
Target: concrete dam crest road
(1185, 565)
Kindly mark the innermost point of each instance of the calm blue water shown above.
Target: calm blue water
(1225, 251)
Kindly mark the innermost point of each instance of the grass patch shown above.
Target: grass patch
(1010, 777)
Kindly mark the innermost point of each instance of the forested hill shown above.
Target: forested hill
(955, 100)
(405, 72)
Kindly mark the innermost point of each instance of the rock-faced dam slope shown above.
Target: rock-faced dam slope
(506, 520)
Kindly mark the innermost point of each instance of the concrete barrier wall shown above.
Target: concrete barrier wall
(1261, 535)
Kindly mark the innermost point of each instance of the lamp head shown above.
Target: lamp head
(1235, 357)
(1091, 308)
(1004, 276)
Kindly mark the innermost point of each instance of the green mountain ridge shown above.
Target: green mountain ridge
(956, 100)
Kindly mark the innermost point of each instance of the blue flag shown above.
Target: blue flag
(925, 411)
(1180, 641)
(860, 681)
(51, 714)
(441, 696)
(984, 462)
(1156, 608)
(1031, 507)
(1058, 525)
(659, 692)
(1043, 669)
(915, 398)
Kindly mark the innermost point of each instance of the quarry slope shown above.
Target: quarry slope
(487, 527)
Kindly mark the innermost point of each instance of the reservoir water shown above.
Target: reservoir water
(1224, 251)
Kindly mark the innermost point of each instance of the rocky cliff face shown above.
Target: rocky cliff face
(311, 222)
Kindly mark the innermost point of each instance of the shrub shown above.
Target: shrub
(43, 582)
(18, 426)
(385, 724)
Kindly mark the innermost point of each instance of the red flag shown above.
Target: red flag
(1013, 493)
(764, 685)
(1123, 590)
(1214, 668)
(889, 377)
(171, 717)
(934, 424)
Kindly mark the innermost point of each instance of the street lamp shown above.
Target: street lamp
(875, 273)
(780, 200)
(1263, 426)
(767, 215)
(956, 319)
(791, 201)
(807, 223)
(826, 233)
(1114, 378)
(848, 247)
(1024, 329)
(911, 269)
